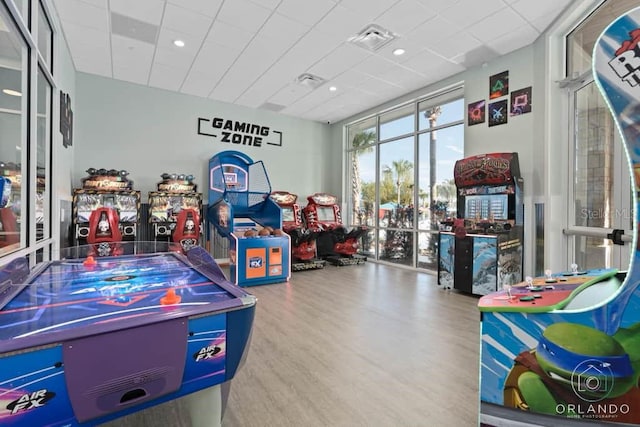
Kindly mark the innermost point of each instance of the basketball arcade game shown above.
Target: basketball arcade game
(175, 211)
(559, 353)
(106, 189)
(303, 241)
(241, 210)
(486, 253)
(334, 243)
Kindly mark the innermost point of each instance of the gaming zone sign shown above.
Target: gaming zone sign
(239, 133)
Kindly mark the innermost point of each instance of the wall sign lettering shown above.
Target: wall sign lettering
(239, 133)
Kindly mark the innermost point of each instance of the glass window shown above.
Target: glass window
(23, 9)
(396, 183)
(363, 185)
(14, 56)
(43, 137)
(430, 116)
(400, 121)
(45, 37)
(362, 133)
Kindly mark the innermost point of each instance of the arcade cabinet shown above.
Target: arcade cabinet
(176, 193)
(105, 238)
(303, 241)
(335, 244)
(104, 188)
(565, 349)
(241, 210)
(483, 251)
(9, 229)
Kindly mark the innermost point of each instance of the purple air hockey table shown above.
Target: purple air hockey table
(85, 343)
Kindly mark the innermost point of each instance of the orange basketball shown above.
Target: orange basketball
(277, 232)
(264, 232)
(250, 233)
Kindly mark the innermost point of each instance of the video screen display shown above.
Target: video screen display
(165, 207)
(288, 215)
(326, 214)
(494, 206)
(125, 204)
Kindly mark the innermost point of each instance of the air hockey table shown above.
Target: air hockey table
(86, 341)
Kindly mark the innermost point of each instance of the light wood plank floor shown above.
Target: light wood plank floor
(367, 345)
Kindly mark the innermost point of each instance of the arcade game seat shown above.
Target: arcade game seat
(104, 233)
(187, 232)
(303, 241)
(335, 244)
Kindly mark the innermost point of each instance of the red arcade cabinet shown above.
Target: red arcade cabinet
(336, 245)
(303, 241)
(175, 211)
(104, 233)
(9, 230)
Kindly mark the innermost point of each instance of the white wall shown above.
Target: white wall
(149, 131)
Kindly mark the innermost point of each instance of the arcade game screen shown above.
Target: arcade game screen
(125, 204)
(326, 214)
(166, 207)
(487, 206)
(287, 214)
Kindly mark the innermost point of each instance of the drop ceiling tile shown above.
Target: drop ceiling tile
(198, 84)
(215, 59)
(543, 22)
(166, 77)
(204, 7)
(424, 61)
(290, 94)
(374, 65)
(100, 65)
(438, 6)
(133, 74)
(84, 14)
(192, 44)
(501, 23)
(524, 37)
(270, 4)
(465, 13)
(97, 3)
(172, 57)
(343, 22)
(282, 31)
(368, 9)
(404, 16)
(149, 11)
(530, 10)
(244, 15)
(343, 58)
(401, 77)
(351, 78)
(229, 35)
(84, 40)
(454, 46)
(129, 53)
(436, 28)
(305, 12)
(186, 21)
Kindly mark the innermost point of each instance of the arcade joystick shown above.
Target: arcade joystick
(549, 278)
(170, 297)
(90, 262)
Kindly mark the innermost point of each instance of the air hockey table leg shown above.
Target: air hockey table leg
(205, 407)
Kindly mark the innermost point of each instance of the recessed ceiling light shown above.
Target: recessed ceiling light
(333, 88)
(178, 43)
(12, 92)
(399, 51)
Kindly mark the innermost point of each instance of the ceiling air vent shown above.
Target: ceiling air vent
(373, 37)
(309, 80)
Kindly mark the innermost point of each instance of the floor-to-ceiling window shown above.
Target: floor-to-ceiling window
(400, 172)
(26, 104)
(599, 181)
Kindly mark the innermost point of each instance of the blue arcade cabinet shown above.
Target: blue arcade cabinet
(241, 210)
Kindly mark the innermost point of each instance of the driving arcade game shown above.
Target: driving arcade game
(565, 349)
(304, 254)
(241, 210)
(335, 244)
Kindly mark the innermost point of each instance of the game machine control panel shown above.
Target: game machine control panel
(304, 254)
(104, 188)
(175, 211)
(482, 249)
(335, 244)
(240, 210)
